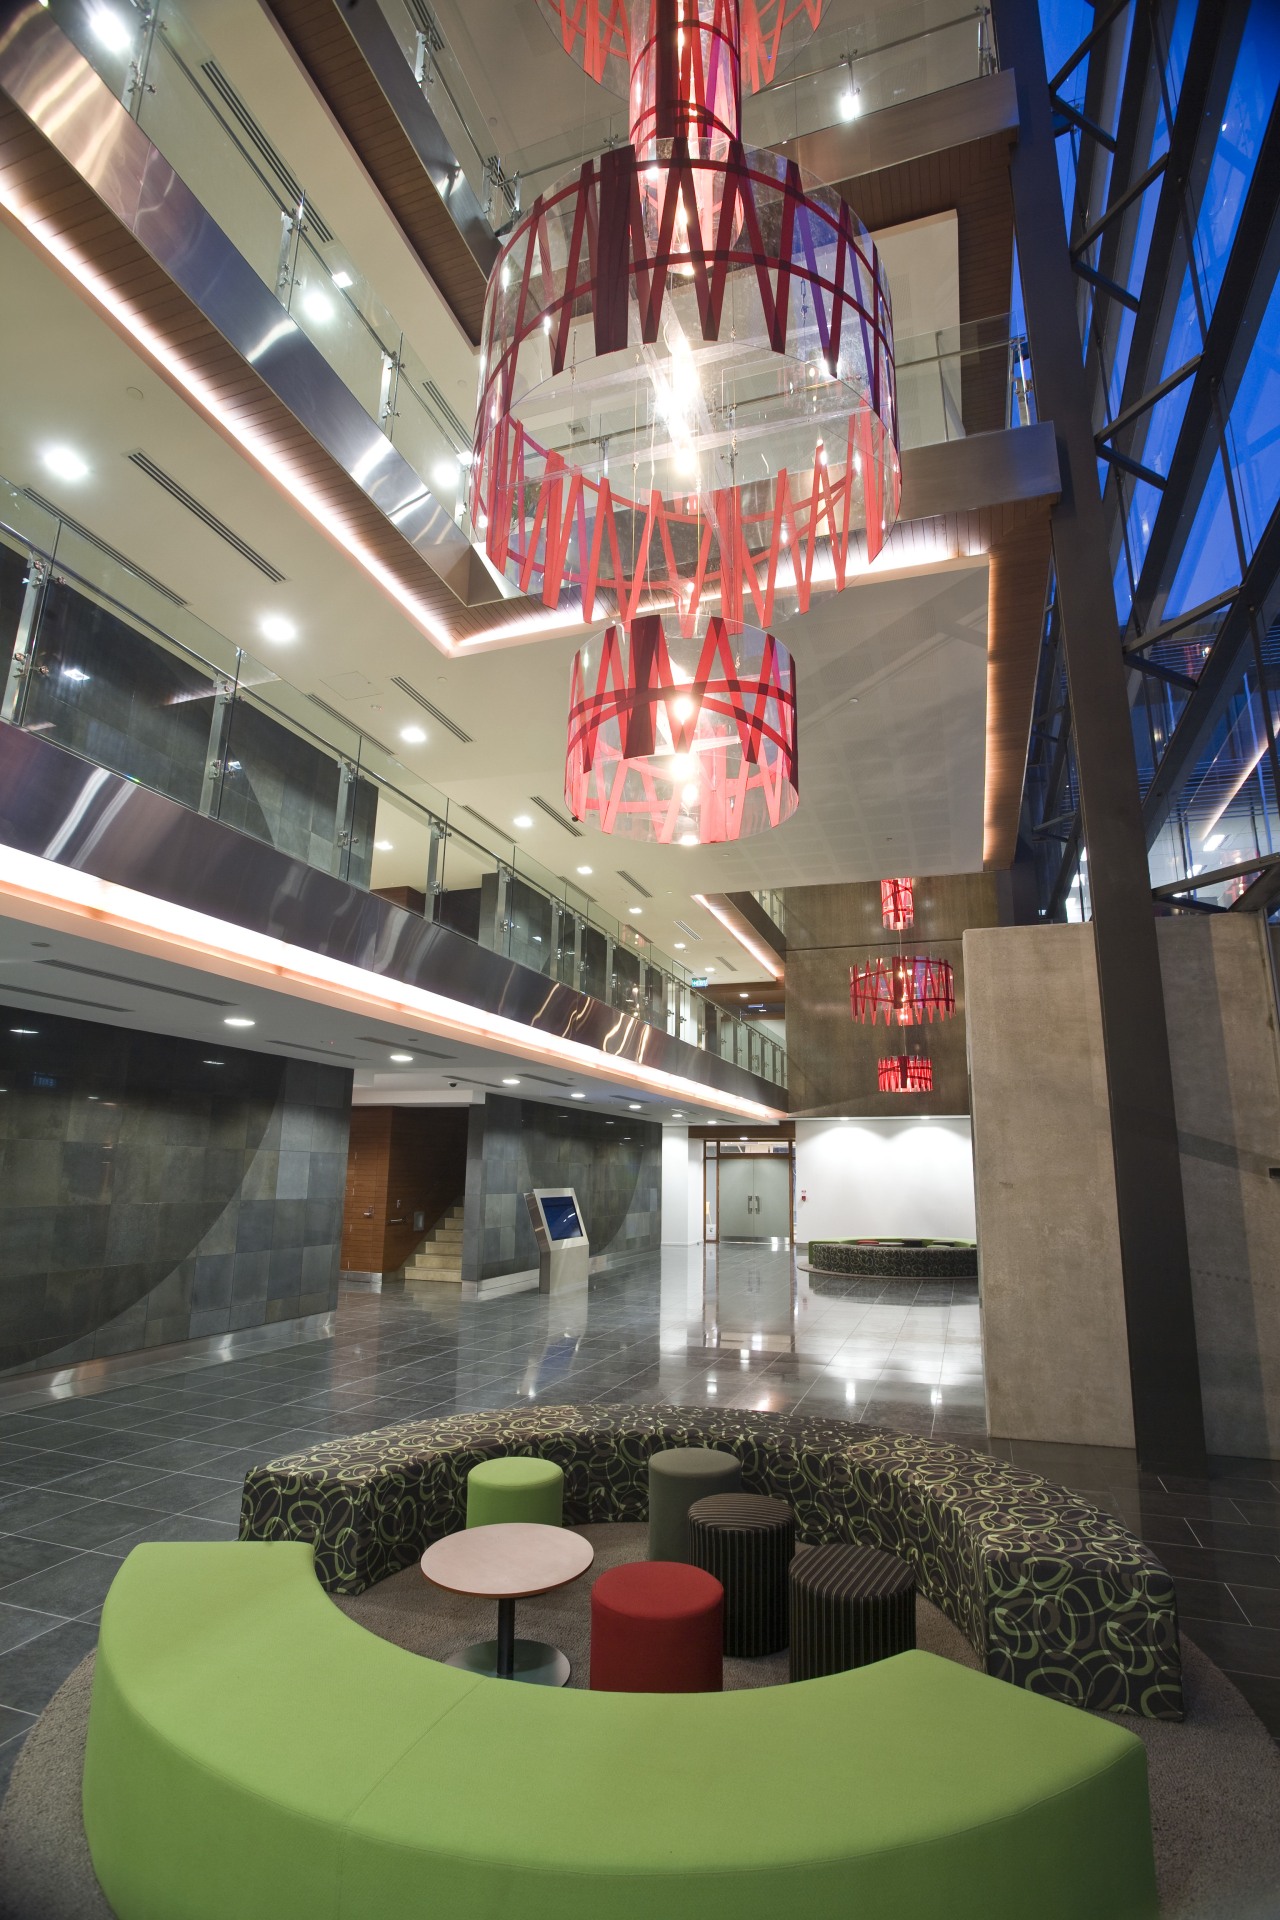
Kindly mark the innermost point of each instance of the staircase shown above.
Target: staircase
(440, 1255)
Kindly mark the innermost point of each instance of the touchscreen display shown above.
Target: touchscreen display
(561, 1216)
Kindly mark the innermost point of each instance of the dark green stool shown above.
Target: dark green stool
(677, 1477)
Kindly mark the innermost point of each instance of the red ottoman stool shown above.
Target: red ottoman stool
(657, 1626)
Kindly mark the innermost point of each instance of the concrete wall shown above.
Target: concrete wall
(1054, 1341)
(1226, 1082)
(905, 1179)
(155, 1190)
(1053, 1319)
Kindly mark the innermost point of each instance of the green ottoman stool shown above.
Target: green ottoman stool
(515, 1488)
(677, 1477)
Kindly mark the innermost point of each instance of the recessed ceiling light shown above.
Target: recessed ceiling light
(708, 969)
(680, 946)
(402, 1059)
(207, 1063)
(635, 912)
(677, 1113)
(508, 1082)
(110, 30)
(341, 279)
(65, 463)
(24, 1029)
(238, 1020)
(384, 846)
(276, 628)
(584, 870)
(522, 820)
(412, 736)
(446, 474)
(318, 307)
(634, 1105)
(743, 996)
(688, 839)
(577, 1096)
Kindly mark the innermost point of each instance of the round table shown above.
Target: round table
(506, 1562)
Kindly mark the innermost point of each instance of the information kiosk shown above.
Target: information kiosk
(564, 1252)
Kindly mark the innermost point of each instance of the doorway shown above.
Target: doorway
(754, 1200)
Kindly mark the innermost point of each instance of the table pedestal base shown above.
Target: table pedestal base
(532, 1660)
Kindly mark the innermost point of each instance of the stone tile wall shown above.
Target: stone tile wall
(149, 1195)
(615, 1167)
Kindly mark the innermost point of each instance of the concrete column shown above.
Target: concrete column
(1055, 1347)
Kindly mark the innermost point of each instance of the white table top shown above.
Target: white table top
(507, 1562)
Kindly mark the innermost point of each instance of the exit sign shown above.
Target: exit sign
(699, 980)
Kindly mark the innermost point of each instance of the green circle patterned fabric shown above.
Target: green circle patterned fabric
(1053, 1594)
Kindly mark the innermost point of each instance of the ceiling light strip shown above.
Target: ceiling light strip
(759, 954)
(64, 898)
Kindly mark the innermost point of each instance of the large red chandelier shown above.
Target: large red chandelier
(906, 1073)
(687, 417)
(907, 989)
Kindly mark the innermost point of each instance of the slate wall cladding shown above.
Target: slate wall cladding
(615, 1167)
(149, 1196)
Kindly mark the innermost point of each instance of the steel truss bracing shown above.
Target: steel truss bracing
(1084, 751)
(1203, 677)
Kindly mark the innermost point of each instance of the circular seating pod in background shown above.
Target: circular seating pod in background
(1052, 1593)
(894, 1259)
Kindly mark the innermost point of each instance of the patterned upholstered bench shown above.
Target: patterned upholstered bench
(894, 1260)
(1053, 1594)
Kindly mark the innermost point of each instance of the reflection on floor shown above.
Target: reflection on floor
(159, 1453)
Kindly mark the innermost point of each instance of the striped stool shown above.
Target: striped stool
(849, 1606)
(746, 1541)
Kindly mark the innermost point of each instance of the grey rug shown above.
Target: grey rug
(1215, 1779)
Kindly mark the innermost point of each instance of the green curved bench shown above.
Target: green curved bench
(254, 1753)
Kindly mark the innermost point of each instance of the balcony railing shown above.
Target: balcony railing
(106, 662)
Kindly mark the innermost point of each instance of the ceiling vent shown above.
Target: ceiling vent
(726, 964)
(634, 884)
(71, 1000)
(131, 980)
(553, 813)
(176, 491)
(687, 929)
(429, 706)
(108, 552)
(354, 725)
(484, 821)
(545, 1080)
(282, 183)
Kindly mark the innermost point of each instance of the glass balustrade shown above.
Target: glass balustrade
(98, 658)
(190, 110)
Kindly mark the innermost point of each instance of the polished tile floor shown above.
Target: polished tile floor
(159, 1453)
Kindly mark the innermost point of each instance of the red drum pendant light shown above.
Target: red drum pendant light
(897, 904)
(906, 1073)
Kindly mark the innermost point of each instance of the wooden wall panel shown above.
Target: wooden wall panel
(401, 1161)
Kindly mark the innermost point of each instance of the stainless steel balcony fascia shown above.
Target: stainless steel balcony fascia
(372, 34)
(56, 89)
(59, 807)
